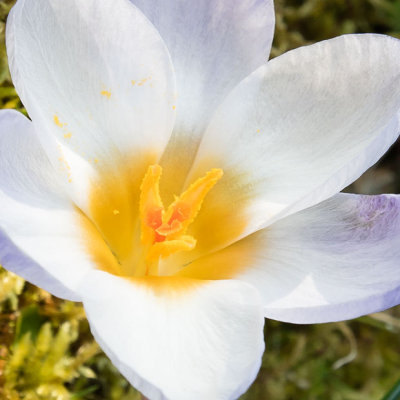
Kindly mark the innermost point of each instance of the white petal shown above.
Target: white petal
(300, 129)
(39, 230)
(334, 261)
(213, 46)
(96, 79)
(178, 339)
(14, 259)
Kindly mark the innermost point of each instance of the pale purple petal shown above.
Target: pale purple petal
(178, 338)
(97, 82)
(334, 261)
(39, 234)
(213, 45)
(303, 127)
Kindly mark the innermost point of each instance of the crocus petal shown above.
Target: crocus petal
(97, 81)
(213, 46)
(175, 338)
(39, 238)
(334, 261)
(301, 128)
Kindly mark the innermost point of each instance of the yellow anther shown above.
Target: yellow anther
(169, 247)
(186, 207)
(163, 231)
(151, 206)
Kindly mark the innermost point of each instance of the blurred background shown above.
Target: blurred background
(48, 353)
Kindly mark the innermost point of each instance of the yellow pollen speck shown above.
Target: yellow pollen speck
(96, 160)
(143, 81)
(116, 212)
(106, 93)
(67, 135)
(58, 122)
(258, 130)
(133, 82)
(174, 107)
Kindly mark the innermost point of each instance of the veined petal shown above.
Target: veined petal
(97, 82)
(178, 338)
(334, 261)
(15, 260)
(213, 46)
(39, 234)
(301, 128)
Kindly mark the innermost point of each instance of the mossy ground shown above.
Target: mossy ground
(48, 353)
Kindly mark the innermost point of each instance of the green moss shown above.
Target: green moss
(46, 363)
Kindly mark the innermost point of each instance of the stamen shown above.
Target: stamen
(163, 231)
(151, 207)
(186, 207)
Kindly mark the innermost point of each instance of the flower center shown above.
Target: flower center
(163, 231)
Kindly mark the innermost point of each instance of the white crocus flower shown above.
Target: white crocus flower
(177, 272)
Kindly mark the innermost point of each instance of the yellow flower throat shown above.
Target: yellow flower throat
(163, 231)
